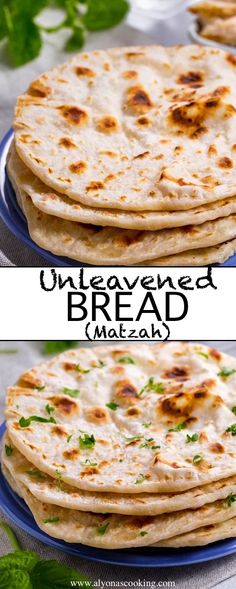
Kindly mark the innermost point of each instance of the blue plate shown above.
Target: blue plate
(17, 511)
(16, 222)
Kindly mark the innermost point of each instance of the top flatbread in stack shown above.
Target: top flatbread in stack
(131, 153)
(217, 20)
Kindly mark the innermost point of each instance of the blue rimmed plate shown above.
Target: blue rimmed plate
(17, 511)
(16, 222)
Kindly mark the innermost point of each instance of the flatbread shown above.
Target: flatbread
(222, 31)
(214, 8)
(122, 531)
(51, 202)
(202, 536)
(143, 128)
(49, 490)
(187, 390)
(198, 257)
(112, 245)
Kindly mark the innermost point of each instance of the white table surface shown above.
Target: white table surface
(220, 573)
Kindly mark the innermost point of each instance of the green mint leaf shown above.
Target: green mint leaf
(88, 462)
(203, 354)
(49, 409)
(51, 574)
(178, 427)
(102, 529)
(24, 40)
(230, 499)
(86, 442)
(140, 479)
(36, 473)
(15, 579)
(71, 392)
(68, 439)
(193, 438)
(226, 372)
(234, 410)
(9, 449)
(133, 439)
(55, 347)
(40, 387)
(155, 387)
(51, 520)
(26, 421)
(82, 370)
(143, 533)
(77, 39)
(147, 424)
(126, 360)
(100, 364)
(103, 14)
(232, 429)
(21, 559)
(197, 459)
(112, 406)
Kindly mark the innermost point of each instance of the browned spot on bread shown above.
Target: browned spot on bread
(203, 437)
(133, 411)
(178, 149)
(221, 91)
(30, 380)
(125, 392)
(138, 100)
(67, 142)
(69, 366)
(190, 116)
(129, 74)
(97, 415)
(107, 124)
(78, 167)
(95, 185)
(143, 121)
(110, 177)
(108, 153)
(89, 470)
(37, 88)
(212, 150)
(225, 162)
(180, 373)
(65, 405)
(233, 147)
(141, 155)
(71, 454)
(74, 115)
(84, 71)
(106, 67)
(182, 404)
(59, 431)
(132, 54)
(192, 78)
(231, 58)
(140, 522)
(215, 354)
(26, 138)
(128, 239)
(117, 369)
(217, 448)
(104, 463)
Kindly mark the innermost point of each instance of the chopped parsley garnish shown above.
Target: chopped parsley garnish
(51, 520)
(197, 459)
(88, 462)
(68, 439)
(147, 424)
(82, 370)
(232, 429)
(230, 499)
(39, 387)
(86, 441)
(126, 360)
(147, 444)
(26, 421)
(132, 439)
(193, 438)
(35, 472)
(143, 533)
(226, 372)
(102, 529)
(234, 410)
(100, 364)
(49, 408)
(58, 479)
(178, 427)
(71, 392)
(112, 406)
(203, 354)
(8, 449)
(151, 385)
(140, 479)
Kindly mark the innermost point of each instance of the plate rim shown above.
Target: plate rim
(188, 556)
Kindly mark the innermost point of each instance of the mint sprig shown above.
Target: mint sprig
(24, 34)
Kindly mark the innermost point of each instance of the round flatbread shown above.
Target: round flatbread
(130, 413)
(143, 128)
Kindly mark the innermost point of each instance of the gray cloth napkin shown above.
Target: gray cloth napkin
(202, 576)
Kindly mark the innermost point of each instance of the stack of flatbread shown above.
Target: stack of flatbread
(217, 20)
(128, 156)
(127, 447)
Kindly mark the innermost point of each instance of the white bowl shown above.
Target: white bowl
(197, 38)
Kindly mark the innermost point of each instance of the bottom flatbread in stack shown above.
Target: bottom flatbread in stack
(125, 447)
